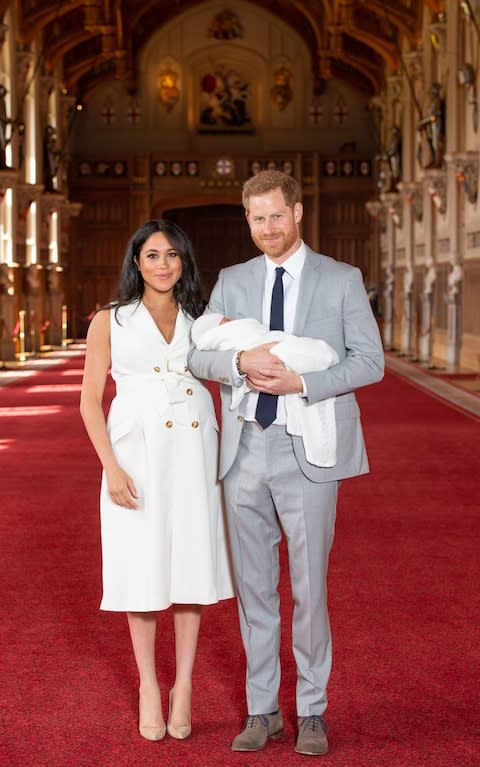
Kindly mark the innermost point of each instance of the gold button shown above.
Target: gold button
(240, 418)
(194, 424)
(169, 424)
(189, 392)
(156, 369)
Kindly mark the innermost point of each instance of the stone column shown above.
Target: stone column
(375, 210)
(408, 190)
(435, 181)
(407, 297)
(388, 289)
(466, 168)
(392, 205)
(413, 195)
(426, 330)
(454, 317)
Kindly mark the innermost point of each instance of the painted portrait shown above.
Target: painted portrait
(224, 102)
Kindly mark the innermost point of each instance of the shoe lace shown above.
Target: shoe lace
(255, 719)
(314, 722)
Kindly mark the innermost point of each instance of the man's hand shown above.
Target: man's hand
(255, 360)
(267, 373)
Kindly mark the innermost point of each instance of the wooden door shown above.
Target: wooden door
(220, 237)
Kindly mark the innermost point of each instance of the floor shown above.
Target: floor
(461, 389)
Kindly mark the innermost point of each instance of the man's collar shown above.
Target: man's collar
(293, 264)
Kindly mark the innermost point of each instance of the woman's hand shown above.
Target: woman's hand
(121, 488)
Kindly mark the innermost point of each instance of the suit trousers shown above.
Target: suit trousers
(267, 493)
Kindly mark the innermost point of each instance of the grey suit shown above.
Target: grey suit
(264, 475)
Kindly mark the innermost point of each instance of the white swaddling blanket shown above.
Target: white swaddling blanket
(315, 423)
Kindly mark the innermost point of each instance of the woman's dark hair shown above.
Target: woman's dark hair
(186, 291)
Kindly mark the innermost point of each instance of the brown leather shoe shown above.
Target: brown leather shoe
(312, 735)
(257, 730)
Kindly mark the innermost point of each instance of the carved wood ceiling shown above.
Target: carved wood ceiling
(98, 40)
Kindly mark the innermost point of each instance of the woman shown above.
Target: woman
(163, 539)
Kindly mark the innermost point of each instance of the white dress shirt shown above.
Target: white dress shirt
(291, 281)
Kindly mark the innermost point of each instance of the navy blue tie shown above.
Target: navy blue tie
(266, 411)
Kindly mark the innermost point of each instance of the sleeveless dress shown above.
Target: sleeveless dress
(162, 426)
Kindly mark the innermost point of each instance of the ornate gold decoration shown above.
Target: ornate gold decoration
(168, 90)
(281, 91)
(226, 25)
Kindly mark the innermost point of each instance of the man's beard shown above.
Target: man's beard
(281, 243)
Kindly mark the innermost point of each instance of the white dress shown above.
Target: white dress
(164, 433)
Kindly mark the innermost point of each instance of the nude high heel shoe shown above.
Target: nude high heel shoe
(178, 731)
(150, 731)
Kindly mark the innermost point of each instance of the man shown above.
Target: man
(269, 485)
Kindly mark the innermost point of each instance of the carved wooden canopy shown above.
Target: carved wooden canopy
(98, 40)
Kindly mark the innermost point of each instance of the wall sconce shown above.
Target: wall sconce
(466, 77)
(435, 41)
(437, 32)
(281, 91)
(168, 91)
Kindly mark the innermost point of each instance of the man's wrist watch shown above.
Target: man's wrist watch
(237, 363)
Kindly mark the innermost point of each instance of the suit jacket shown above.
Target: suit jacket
(332, 305)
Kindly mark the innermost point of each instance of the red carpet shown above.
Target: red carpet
(403, 593)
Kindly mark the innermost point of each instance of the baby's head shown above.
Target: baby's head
(224, 320)
(205, 323)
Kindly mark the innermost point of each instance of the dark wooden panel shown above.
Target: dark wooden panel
(345, 233)
(98, 243)
(220, 236)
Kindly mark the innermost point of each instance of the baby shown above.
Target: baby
(314, 423)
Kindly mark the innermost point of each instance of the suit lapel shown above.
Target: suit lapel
(309, 280)
(256, 287)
